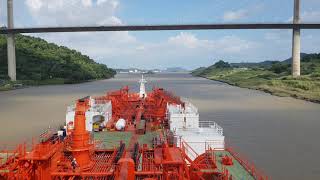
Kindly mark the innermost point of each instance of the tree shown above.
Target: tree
(279, 67)
(38, 60)
(222, 64)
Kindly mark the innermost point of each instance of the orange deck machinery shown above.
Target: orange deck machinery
(144, 149)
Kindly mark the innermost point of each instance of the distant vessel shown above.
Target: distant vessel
(124, 135)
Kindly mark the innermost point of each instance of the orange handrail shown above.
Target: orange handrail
(249, 166)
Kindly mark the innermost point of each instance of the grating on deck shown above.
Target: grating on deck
(236, 170)
(111, 139)
(148, 137)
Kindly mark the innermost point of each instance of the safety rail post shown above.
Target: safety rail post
(24, 148)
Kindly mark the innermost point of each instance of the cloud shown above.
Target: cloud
(278, 36)
(113, 3)
(235, 15)
(73, 12)
(125, 49)
(81, 13)
(120, 49)
(234, 45)
(97, 45)
(185, 39)
(87, 3)
(310, 16)
(3, 13)
(243, 13)
(34, 5)
(112, 20)
(225, 44)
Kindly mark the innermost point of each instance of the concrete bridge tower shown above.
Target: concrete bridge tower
(296, 41)
(11, 44)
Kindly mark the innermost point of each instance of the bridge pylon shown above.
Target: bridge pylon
(11, 49)
(295, 64)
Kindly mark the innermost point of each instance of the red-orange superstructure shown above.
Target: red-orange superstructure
(52, 156)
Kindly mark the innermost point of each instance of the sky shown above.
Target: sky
(162, 49)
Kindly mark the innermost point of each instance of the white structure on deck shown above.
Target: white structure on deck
(121, 124)
(184, 122)
(98, 112)
(142, 93)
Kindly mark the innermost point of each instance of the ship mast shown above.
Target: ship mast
(142, 93)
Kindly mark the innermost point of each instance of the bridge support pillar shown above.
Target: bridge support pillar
(11, 44)
(296, 41)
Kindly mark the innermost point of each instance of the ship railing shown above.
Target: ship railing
(207, 145)
(38, 146)
(71, 108)
(43, 144)
(91, 143)
(101, 101)
(249, 166)
(43, 149)
(28, 149)
(214, 144)
(133, 96)
(7, 147)
(211, 124)
(172, 97)
(187, 149)
(190, 155)
(8, 152)
(190, 108)
(46, 134)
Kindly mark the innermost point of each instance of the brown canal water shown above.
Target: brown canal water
(280, 135)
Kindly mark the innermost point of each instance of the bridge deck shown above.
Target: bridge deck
(162, 27)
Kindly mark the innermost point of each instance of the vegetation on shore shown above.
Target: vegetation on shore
(39, 63)
(272, 77)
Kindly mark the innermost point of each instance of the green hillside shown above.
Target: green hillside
(273, 78)
(40, 62)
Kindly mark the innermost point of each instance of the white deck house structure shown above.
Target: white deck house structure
(98, 112)
(184, 122)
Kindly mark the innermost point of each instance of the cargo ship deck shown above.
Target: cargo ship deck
(112, 139)
(122, 135)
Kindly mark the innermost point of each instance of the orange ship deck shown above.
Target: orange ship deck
(145, 148)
